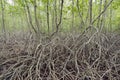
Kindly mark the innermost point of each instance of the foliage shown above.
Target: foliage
(18, 10)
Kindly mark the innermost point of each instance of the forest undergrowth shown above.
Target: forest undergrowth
(64, 57)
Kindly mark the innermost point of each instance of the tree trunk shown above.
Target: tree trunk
(3, 20)
(48, 16)
(30, 18)
(100, 8)
(72, 14)
(57, 26)
(36, 19)
(90, 12)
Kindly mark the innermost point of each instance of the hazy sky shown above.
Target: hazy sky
(11, 2)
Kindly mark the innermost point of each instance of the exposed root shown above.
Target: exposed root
(71, 57)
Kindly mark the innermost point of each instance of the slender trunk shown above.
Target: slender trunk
(62, 1)
(110, 22)
(80, 15)
(72, 14)
(90, 16)
(103, 17)
(100, 8)
(90, 12)
(82, 7)
(102, 12)
(53, 18)
(55, 13)
(36, 19)
(61, 12)
(48, 16)
(30, 18)
(3, 19)
(27, 21)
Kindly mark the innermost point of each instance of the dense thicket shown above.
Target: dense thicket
(59, 40)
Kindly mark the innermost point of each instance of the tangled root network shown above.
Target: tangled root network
(67, 57)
